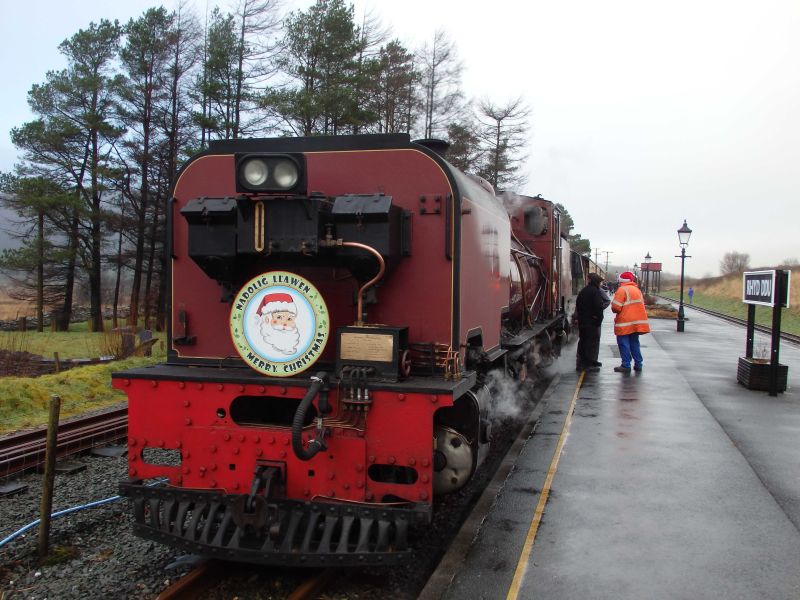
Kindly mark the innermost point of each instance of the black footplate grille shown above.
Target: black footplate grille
(280, 532)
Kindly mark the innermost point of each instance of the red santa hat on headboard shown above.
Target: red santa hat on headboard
(276, 302)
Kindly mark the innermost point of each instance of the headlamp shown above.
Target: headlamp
(255, 172)
(285, 174)
(267, 173)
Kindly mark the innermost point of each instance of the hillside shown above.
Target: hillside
(12, 309)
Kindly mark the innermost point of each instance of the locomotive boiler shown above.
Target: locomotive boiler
(335, 306)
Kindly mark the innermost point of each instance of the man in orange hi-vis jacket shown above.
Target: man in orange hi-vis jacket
(630, 322)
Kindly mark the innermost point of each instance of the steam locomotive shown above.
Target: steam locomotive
(335, 306)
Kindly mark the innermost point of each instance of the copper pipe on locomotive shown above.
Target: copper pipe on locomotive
(371, 282)
(330, 242)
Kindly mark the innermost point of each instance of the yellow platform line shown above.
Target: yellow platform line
(522, 565)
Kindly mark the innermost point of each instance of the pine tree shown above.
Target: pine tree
(70, 143)
(36, 267)
(320, 51)
(465, 150)
(395, 101)
(145, 58)
(503, 133)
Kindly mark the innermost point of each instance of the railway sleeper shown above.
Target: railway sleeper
(275, 532)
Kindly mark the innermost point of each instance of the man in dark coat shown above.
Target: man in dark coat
(590, 304)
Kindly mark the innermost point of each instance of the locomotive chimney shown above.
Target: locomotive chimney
(437, 145)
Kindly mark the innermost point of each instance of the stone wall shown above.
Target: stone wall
(80, 314)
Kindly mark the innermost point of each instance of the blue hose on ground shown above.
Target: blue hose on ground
(66, 511)
(60, 513)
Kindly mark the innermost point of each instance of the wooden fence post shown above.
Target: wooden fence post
(49, 476)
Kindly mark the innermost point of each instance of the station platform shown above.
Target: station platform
(675, 482)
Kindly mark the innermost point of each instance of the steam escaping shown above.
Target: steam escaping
(513, 202)
(511, 399)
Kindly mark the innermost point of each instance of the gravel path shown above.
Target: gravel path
(93, 552)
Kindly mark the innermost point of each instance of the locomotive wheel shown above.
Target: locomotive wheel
(453, 460)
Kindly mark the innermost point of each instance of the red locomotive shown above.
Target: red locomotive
(336, 303)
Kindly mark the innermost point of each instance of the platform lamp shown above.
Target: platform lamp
(636, 270)
(647, 258)
(684, 233)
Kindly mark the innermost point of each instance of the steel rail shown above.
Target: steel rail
(203, 577)
(25, 450)
(209, 573)
(789, 337)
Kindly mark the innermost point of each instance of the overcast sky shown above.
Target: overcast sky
(644, 113)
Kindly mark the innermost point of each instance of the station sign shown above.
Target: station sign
(758, 287)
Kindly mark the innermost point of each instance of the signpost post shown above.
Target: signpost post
(765, 288)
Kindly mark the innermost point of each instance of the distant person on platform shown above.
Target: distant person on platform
(590, 304)
(691, 293)
(630, 322)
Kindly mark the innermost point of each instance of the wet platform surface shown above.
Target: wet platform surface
(676, 482)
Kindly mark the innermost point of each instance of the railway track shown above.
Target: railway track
(206, 575)
(25, 450)
(788, 337)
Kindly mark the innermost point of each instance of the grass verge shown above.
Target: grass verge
(790, 319)
(24, 401)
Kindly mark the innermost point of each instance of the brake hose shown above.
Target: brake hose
(315, 445)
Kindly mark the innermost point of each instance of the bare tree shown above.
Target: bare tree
(734, 262)
(367, 71)
(186, 53)
(258, 23)
(441, 82)
(239, 56)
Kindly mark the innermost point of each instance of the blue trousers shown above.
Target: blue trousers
(629, 347)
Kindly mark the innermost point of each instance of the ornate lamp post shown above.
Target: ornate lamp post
(636, 270)
(684, 233)
(647, 276)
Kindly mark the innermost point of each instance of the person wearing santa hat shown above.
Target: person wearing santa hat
(277, 312)
(630, 322)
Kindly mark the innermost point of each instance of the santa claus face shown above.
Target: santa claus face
(279, 331)
(282, 320)
(279, 323)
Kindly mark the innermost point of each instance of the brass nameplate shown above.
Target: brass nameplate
(366, 346)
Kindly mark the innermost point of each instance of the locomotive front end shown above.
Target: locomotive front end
(313, 400)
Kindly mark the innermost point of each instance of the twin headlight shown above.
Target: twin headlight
(268, 173)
